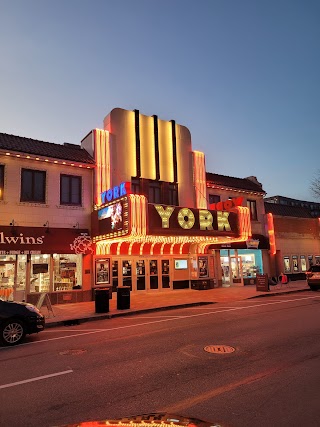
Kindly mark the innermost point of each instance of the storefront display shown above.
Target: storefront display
(31, 264)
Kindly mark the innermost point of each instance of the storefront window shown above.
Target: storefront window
(295, 263)
(303, 263)
(7, 272)
(40, 273)
(21, 272)
(203, 266)
(286, 263)
(67, 272)
(250, 262)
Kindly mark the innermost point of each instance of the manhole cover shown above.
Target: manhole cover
(219, 349)
(71, 352)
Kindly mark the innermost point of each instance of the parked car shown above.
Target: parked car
(313, 277)
(18, 319)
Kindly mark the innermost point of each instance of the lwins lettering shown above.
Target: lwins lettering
(21, 239)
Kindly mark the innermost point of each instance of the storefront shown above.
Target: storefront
(152, 247)
(43, 260)
(241, 262)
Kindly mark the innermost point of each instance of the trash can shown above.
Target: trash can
(101, 299)
(123, 297)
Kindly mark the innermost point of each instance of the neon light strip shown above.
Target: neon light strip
(272, 238)
(199, 179)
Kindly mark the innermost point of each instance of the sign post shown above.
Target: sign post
(44, 297)
(262, 284)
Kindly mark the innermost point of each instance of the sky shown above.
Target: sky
(242, 75)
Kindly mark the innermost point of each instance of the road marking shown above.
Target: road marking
(43, 377)
(194, 400)
(166, 320)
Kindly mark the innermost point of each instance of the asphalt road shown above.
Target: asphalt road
(157, 362)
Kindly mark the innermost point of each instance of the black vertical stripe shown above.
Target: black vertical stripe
(137, 130)
(174, 151)
(156, 146)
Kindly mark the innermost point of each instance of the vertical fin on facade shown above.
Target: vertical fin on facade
(174, 151)
(199, 179)
(137, 132)
(156, 146)
(102, 157)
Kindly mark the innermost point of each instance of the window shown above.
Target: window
(1, 181)
(33, 186)
(70, 190)
(251, 204)
(173, 195)
(154, 192)
(213, 198)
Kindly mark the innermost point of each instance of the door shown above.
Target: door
(141, 274)
(165, 276)
(153, 268)
(7, 276)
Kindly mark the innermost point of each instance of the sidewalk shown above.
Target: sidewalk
(67, 314)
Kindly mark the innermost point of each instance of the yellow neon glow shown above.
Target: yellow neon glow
(186, 223)
(181, 247)
(130, 248)
(171, 248)
(272, 238)
(151, 249)
(199, 179)
(165, 214)
(102, 157)
(147, 149)
(165, 151)
(205, 220)
(223, 222)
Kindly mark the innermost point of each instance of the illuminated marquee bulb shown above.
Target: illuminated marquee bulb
(223, 221)
(205, 219)
(165, 214)
(186, 223)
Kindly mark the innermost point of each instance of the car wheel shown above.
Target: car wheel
(12, 332)
(314, 288)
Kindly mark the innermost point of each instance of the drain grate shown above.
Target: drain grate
(219, 349)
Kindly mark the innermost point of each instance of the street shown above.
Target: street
(157, 362)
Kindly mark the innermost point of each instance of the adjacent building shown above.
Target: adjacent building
(296, 239)
(46, 204)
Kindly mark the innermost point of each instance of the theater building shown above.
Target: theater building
(152, 225)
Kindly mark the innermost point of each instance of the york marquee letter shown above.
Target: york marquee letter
(223, 222)
(165, 214)
(205, 219)
(186, 218)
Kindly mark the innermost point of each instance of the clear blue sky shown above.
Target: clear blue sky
(242, 75)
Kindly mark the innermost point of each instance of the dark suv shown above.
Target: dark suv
(18, 319)
(313, 277)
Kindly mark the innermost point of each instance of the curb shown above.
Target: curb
(79, 320)
(272, 294)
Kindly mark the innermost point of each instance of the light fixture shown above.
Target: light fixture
(46, 224)
(13, 230)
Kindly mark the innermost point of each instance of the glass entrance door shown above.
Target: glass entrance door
(165, 269)
(141, 275)
(7, 275)
(153, 266)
